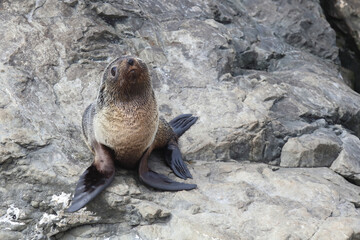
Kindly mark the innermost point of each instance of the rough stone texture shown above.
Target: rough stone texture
(344, 17)
(258, 73)
(339, 228)
(348, 162)
(318, 149)
(239, 201)
(348, 14)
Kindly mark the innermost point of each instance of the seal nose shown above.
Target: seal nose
(130, 61)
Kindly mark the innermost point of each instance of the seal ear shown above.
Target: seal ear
(95, 179)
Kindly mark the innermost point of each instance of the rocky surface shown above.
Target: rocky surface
(318, 149)
(262, 76)
(344, 17)
(347, 15)
(347, 163)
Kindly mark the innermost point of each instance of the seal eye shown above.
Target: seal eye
(113, 71)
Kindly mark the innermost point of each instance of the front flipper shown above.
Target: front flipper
(157, 180)
(182, 123)
(95, 179)
(174, 160)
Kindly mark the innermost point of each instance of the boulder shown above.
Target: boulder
(257, 73)
(318, 149)
(347, 164)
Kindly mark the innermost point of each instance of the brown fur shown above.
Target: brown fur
(164, 134)
(125, 117)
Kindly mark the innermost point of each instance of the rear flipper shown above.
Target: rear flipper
(95, 179)
(162, 182)
(159, 181)
(182, 123)
(173, 157)
(174, 160)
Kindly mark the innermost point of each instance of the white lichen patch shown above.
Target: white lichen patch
(47, 218)
(11, 217)
(62, 199)
(51, 224)
(42, 227)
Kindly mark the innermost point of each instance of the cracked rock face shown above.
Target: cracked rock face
(344, 16)
(262, 77)
(318, 149)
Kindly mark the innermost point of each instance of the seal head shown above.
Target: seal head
(125, 79)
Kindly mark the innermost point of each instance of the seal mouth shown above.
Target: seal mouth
(132, 74)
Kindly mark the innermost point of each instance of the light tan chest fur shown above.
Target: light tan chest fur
(129, 132)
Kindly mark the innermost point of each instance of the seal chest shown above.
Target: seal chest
(128, 133)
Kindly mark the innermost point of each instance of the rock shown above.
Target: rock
(318, 149)
(344, 17)
(347, 164)
(10, 235)
(348, 15)
(259, 74)
(247, 200)
(12, 220)
(150, 213)
(339, 228)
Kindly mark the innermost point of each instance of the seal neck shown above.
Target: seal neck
(139, 95)
(130, 93)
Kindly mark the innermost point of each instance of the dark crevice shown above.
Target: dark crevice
(310, 118)
(219, 16)
(349, 54)
(352, 180)
(356, 204)
(113, 20)
(251, 60)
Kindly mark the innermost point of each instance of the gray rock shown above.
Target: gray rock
(10, 235)
(257, 73)
(318, 149)
(338, 228)
(344, 16)
(151, 213)
(245, 201)
(347, 164)
(348, 18)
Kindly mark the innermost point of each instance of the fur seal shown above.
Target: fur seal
(123, 126)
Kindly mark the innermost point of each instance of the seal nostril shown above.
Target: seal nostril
(131, 61)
